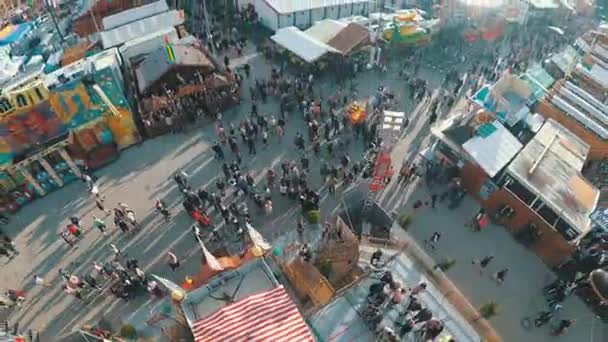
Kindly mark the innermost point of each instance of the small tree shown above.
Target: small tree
(445, 265)
(404, 221)
(314, 216)
(488, 310)
(325, 268)
(128, 331)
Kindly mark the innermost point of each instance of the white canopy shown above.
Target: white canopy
(325, 30)
(301, 44)
(495, 151)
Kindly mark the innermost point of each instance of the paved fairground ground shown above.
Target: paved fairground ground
(143, 173)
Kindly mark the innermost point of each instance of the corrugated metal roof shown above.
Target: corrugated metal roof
(148, 43)
(125, 33)
(495, 150)
(290, 6)
(556, 178)
(134, 14)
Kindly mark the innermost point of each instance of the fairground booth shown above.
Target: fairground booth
(53, 124)
(525, 170)
(178, 83)
(329, 44)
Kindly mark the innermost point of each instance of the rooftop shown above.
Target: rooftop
(302, 45)
(550, 166)
(507, 98)
(134, 14)
(122, 34)
(493, 147)
(250, 278)
(99, 60)
(290, 6)
(575, 101)
(156, 64)
(325, 30)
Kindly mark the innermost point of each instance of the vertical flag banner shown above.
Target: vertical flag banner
(211, 260)
(257, 238)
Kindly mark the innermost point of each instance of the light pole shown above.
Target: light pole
(52, 13)
(208, 28)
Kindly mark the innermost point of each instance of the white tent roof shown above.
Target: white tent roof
(148, 43)
(290, 6)
(134, 14)
(325, 30)
(137, 29)
(494, 151)
(300, 44)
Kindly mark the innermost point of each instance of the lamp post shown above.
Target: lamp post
(208, 28)
(54, 18)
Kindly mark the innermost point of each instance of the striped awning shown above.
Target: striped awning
(266, 316)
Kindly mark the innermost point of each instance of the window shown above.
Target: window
(39, 94)
(566, 230)
(520, 191)
(537, 204)
(5, 105)
(548, 214)
(21, 101)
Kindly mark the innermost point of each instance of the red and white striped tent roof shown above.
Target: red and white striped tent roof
(267, 316)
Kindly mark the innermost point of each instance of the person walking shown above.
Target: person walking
(433, 240)
(115, 250)
(483, 263)
(376, 257)
(251, 145)
(9, 244)
(99, 224)
(38, 280)
(501, 275)
(173, 261)
(67, 239)
(219, 153)
(416, 290)
(100, 205)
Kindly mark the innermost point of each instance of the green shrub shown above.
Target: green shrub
(445, 265)
(313, 216)
(128, 331)
(489, 310)
(404, 221)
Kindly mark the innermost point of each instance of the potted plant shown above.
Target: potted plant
(488, 310)
(404, 221)
(128, 331)
(445, 265)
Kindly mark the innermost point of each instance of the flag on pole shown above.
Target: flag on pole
(257, 239)
(171, 286)
(211, 260)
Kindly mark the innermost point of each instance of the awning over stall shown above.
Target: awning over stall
(266, 316)
(301, 44)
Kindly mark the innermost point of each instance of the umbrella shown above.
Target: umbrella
(557, 30)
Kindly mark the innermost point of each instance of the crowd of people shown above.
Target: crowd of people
(322, 142)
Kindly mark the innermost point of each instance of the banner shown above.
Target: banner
(213, 263)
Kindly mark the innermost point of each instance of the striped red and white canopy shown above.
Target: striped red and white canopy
(267, 316)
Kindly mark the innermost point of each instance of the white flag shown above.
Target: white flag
(171, 286)
(257, 238)
(211, 260)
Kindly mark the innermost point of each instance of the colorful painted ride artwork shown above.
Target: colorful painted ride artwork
(407, 29)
